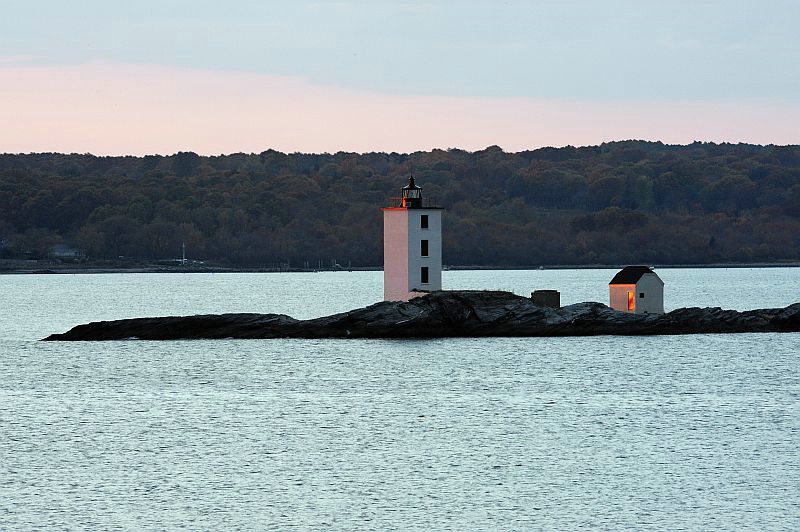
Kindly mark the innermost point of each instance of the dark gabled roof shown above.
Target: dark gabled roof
(630, 274)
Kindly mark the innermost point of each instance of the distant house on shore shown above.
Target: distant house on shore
(637, 289)
(65, 252)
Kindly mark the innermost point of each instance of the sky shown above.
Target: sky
(115, 78)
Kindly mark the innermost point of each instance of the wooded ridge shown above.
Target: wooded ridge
(617, 203)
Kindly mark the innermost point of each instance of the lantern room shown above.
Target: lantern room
(411, 195)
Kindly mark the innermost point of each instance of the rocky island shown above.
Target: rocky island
(445, 314)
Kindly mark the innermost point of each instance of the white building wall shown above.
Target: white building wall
(402, 252)
(395, 254)
(433, 234)
(618, 296)
(653, 289)
(650, 285)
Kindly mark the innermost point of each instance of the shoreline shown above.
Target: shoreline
(52, 269)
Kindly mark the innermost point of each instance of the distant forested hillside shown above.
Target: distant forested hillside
(623, 202)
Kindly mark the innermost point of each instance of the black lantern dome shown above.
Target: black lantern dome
(412, 194)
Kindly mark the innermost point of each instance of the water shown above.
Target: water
(680, 432)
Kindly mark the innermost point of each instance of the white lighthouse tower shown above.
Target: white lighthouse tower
(412, 246)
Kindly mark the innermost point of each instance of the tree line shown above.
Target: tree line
(616, 203)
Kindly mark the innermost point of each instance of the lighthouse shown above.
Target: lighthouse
(412, 245)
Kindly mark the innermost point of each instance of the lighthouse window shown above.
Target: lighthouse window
(423, 274)
(424, 248)
(423, 222)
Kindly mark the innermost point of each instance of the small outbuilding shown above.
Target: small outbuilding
(638, 290)
(547, 298)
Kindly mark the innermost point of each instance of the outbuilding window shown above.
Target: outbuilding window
(641, 295)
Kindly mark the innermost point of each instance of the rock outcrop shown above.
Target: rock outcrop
(446, 314)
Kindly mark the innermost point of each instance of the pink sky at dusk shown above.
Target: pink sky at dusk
(126, 109)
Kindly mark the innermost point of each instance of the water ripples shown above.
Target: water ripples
(676, 432)
(683, 432)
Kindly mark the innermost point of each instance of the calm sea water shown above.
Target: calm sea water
(680, 432)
